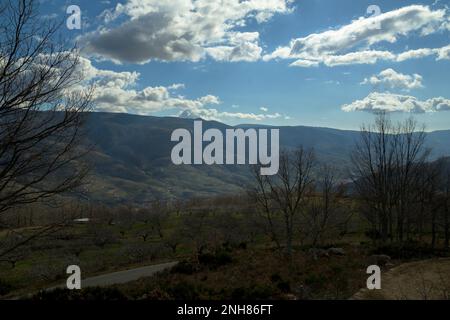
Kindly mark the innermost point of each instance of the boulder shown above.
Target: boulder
(379, 259)
(336, 251)
(302, 292)
(317, 253)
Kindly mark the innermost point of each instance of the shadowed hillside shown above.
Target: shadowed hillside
(131, 158)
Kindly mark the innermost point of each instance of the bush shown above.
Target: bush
(373, 234)
(314, 280)
(215, 260)
(184, 267)
(156, 294)
(242, 245)
(88, 294)
(5, 287)
(409, 250)
(184, 291)
(275, 277)
(258, 292)
(284, 286)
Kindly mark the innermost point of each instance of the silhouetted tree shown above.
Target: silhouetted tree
(388, 174)
(285, 193)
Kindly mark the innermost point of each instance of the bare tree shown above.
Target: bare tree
(386, 162)
(41, 111)
(325, 215)
(174, 240)
(443, 200)
(285, 193)
(446, 211)
(195, 229)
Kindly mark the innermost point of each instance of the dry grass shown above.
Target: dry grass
(263, 274)
(420, 280)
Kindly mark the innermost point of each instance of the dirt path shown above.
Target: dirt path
(420, 280)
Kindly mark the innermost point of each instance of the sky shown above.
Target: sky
(280, 62)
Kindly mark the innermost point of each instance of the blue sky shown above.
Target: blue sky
(280, 62)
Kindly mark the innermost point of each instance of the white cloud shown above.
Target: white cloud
(443, 53)
(176, 86)
(179, 30)
(214, 114)
(365, 57)
(304, 63)
(440, 53)
(116, 92)
(388, 27)
(264, 109)
(359, 57)
(415, 54)
(391, 79)
(397, 103)
(246, 51)
(352, 43)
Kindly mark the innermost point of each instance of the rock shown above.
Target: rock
(302, 292)
(289, 296)
(379, 259)
(336, 251)
(318, 253)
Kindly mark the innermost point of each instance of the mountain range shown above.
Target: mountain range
(131, 160)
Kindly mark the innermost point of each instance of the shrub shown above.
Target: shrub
(242, 245)
(88, 294)
(373, 234)
(215, 260)
(156, 294)
(314, 280)
(409, 250)
(183, 291)
(284, 286)
(184, 267)
(257, 292)
(5, 287)
(275, 277)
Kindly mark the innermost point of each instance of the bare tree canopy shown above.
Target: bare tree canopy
(285, 193)
(42, 104)
(390, 174)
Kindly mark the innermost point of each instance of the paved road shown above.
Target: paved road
(113, 278)
(121, 276)
(125, 276)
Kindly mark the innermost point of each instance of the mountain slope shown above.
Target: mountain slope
(131, 158)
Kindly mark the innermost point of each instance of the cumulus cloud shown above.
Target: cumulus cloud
(388, 27)
(182, 30)
(117, 92)
(304, 63)
(389, 102)
(360, 57)
(246, 51)
(214, 114)
(440, 54)
(353, 43)
(391, 79)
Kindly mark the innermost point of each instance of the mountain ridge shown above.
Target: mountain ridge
(131, 157)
